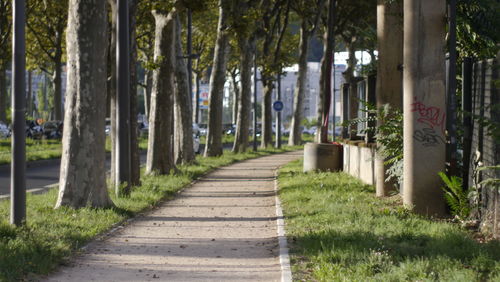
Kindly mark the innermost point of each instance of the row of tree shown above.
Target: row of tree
(228, 35)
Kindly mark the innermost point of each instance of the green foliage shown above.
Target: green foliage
(456, 196)
(477, 28)
(339, 231)
(389, 136)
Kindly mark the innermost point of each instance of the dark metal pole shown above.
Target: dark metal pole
(255, 100)
(333, 100)
(189, 53)
(18, 165)
(123, 170)
(278, 114)
(467, 118)
(451, 120)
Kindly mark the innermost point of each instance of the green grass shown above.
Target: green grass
(339, 231)
(46, 149)
(51, 235)
(35, 150)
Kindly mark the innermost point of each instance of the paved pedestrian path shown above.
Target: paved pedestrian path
(223, 227)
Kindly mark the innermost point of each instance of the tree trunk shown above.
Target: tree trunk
(196, 98)
(83, 174)
(57, 82)
(353, 97)
(295, 132)
(160, 146)
(217, 80)
(325, 80)
(244, 105)
(112, 90)
(236, 98)
(148, 80)
(183, 133)
(389, 77)
(135, 161)
(267, 114)
(424, 105)
(3, 94)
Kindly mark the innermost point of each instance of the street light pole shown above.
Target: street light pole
(255, 100)
(123, 168)
(18, 165)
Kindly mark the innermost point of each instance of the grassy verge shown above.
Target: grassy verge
(46, 149)
(52, 235)
(339, 231)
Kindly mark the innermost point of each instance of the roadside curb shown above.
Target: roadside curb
(286, 271)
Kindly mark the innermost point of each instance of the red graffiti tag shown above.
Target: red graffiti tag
(431, 116)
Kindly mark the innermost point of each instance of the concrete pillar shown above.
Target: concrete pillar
(424, 104)
(389, 89)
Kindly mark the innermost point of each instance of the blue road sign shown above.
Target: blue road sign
(278, 106)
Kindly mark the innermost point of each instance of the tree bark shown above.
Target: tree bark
(3, 94)
(217, 80)
(325, 80)
(57, 82)
(295, 132)
(267, 113)
(236, 97)
(135, 162)
(244, 105)
(183, 133)
(160, 146)
(83, 174)
(389, 76)
(424, 105)
(148, 79)
(353, 97)
(112, 90)
(196, 98)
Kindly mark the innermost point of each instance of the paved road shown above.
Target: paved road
(40, 174)
(222, 228)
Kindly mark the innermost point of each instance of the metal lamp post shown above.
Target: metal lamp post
(18, 164)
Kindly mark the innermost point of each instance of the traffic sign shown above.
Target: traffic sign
(278, 106)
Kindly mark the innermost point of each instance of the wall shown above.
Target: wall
(359, 161)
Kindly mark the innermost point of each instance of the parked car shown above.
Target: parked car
(52, 129)
(5, 131)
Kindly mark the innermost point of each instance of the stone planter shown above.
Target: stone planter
(322, 157)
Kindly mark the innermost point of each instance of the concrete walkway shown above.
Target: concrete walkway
(223, 227)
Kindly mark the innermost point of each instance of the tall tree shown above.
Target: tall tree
(325, 80)
(46, 23)
(5, 53)
(275, 23)
(217, 80)
(309, 13)
(83, 174)
(183, 133)
(160, 146)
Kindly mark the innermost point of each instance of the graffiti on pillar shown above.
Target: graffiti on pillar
(431, 116)
(428, 137)
(434, 121)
